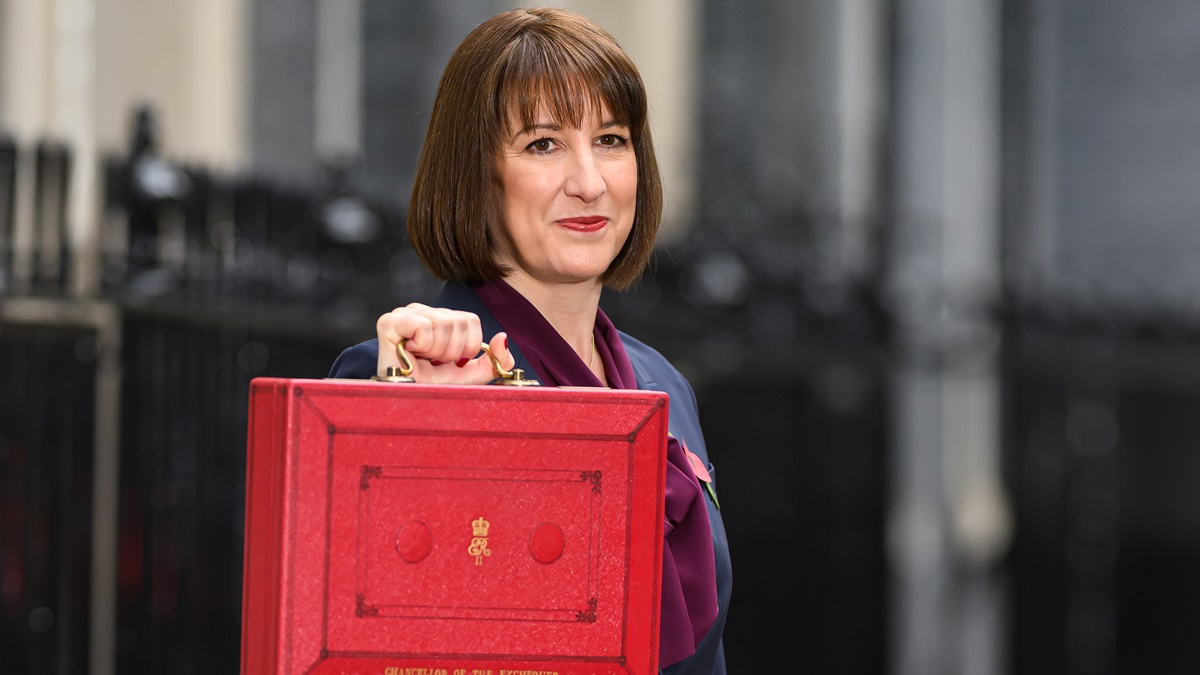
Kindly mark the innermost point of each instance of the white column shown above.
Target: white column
(26, 105)
(214, 84)
(189, 60)
(47, 92)
(74, 122)
(27, 45)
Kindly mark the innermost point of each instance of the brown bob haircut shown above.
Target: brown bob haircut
(515, 62)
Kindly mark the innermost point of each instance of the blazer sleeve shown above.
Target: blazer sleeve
(357, 362)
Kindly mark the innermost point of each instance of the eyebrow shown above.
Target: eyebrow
(554, 126)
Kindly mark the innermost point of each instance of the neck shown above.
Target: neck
(569, 308)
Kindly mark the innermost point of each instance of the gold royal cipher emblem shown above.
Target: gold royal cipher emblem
(479, 543)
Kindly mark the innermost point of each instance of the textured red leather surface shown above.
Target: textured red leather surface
(403, 529)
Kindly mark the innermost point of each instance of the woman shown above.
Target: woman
(537, 187)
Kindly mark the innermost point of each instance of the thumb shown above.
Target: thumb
(499, 348)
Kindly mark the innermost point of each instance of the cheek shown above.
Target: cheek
(527, 190)
(514, 199)
(627, 186)
(627, 177)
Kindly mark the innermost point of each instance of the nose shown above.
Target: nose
(585, 179)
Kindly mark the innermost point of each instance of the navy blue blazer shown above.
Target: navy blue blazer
(654, 373)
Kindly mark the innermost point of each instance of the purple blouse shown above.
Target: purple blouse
(689, 586)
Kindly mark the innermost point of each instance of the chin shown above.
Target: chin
(577, 275)
(579, 270)
(579, 278)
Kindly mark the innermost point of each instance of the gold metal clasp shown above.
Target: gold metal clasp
(512, 378)
(401, 373)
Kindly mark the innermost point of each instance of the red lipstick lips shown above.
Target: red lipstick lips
(584, 223)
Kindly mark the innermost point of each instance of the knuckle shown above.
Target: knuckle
(386, 321)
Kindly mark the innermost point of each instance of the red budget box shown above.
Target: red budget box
(401, 529)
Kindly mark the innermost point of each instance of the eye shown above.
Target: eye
(612, 141)
(541, 146)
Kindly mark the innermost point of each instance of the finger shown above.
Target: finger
(418, 323)
(479, 370)
(391, 328)
(447, 336)
(467, 338)
(455, 337)
(472, 371)
(404, 322)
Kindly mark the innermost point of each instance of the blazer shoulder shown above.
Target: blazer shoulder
(654, 367)
(643, 353)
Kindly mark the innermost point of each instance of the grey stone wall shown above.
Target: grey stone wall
(1112, 172)
(282, 86)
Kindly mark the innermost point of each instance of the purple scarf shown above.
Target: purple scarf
(689, 585)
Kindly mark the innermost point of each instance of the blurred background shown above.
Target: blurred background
(930, 266)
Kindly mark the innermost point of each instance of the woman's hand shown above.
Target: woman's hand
(444, 344)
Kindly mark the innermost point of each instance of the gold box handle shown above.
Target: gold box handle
(403, 372)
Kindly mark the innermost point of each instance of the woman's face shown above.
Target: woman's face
(569, 197)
